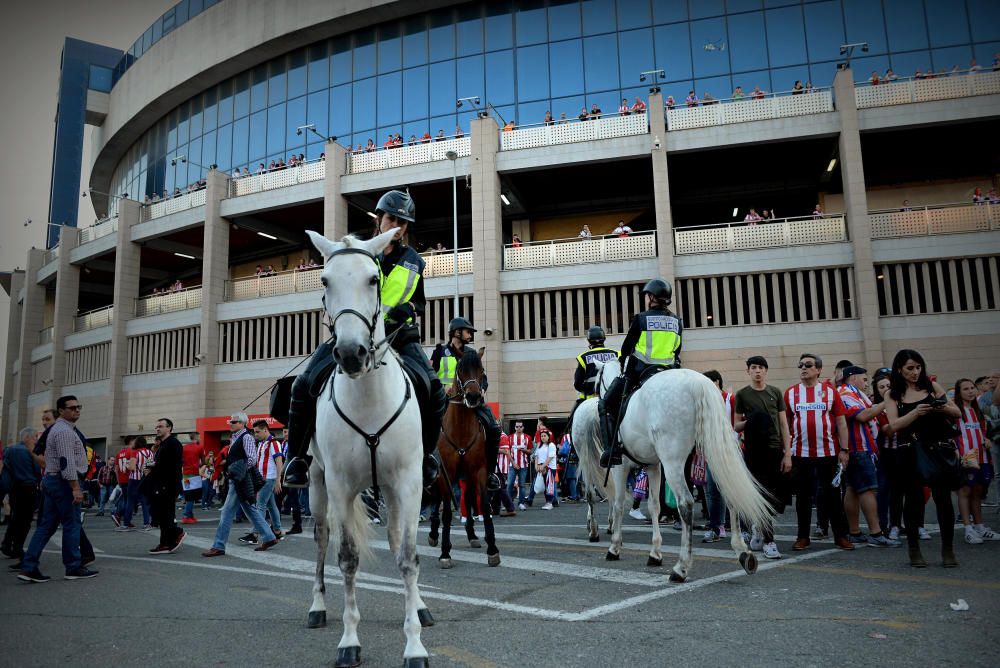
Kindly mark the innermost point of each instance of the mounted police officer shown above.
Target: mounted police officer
(585, 379)
(403, 300)
(653, 340)
(444, 360)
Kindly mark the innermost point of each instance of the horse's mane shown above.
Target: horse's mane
(349, 241)
(470, 362)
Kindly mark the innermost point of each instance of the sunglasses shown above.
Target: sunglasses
(235, 422)
(806, 365)
(519, 426)
(884, 369)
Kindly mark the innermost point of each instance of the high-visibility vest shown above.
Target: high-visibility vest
(660, 339)
(401, 282)
(447, 366)
(587, 359)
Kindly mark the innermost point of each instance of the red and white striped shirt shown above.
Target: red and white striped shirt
(141, 457)
(862, 435)
(266, 452)
(729, 399)
(811, 413)
(503, 458)
(972, 434)
(520, 444)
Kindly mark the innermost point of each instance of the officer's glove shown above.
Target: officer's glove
(401, 313)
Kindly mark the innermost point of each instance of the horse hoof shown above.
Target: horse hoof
(611, 556)
(653, 561)
(348, 657)
(317, 619)
(445, 563)
(475, 543)
(608, 532)
(493, 559)
(416, 662)
(676, 577)
(424, 615)
(594, 539)
(749, 562)
(433, 542)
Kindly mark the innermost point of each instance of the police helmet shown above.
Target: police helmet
(460, 323)
(659, 289)
(595, 335)
(397, 203)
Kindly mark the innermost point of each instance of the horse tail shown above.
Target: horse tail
(357, 523)
(588, 444)
(714, 435)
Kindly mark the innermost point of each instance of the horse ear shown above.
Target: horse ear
(322, 244)
(378, 243)
(482, 352)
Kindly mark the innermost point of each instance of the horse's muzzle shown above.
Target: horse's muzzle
(351, 358)
(473, 400)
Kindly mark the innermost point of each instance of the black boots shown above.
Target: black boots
(431, 469)
(493, 432)
(611, 456)
(296, 473)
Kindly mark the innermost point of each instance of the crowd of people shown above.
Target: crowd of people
(274, 166)
(200, 184)
(738, 95)
(890, 77)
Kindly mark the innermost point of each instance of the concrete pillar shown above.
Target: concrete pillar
(126, 290)
(487, 246)
(214, 274)
(865, 297)
(32, 319)
(334, 203)
(10, 426)
(661, 188)
(66, 307)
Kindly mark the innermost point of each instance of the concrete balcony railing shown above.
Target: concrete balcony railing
(51, 255)
(98, 230)
(905, 91)
(442, 263)
(569, 131)
(555, 252)
(101, 317)
(742, 110)
(766, 234)
(934, 219)
(165, 207)
(168, 302)
(282, 283)
(400, 156)
(305, 172)
(45, 336)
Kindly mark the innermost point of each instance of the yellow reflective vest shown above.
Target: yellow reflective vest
(401, 282)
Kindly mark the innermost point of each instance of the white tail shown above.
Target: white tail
(356, 520)
(588, 443)
(714, 436)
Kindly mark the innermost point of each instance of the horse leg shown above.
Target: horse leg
(653, 504)
(405, 519)
(492, 553)
(435, 502)
(747, 558)
(470, 496)
(348, 558)
(321, 534)
(619, 473)
(593, 530)
(392, 525)
(685, 508)
(444, 561)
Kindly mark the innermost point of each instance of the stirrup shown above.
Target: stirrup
(431, 470)
(296, 473)
(610, 457)
(493, 483)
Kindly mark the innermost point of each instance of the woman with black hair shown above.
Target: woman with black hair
(920, 415)
(890, 493)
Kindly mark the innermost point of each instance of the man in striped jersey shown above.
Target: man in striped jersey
(813, 408)
(862, 477)
(269, 462)
(503, 470)
(520, 446)
(136, 467)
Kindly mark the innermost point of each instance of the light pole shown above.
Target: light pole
(453, 156)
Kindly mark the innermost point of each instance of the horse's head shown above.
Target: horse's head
(352, 298)
(606, 373)
(469, 375)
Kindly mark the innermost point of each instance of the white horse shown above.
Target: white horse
(369, 395)
(672, 413)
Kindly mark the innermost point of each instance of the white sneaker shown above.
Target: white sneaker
(478, 518)
(771, 551)
(894, 533)
(464, 520)
(757, 541)
(972, 536)
(547, 506)
(147, 528)
(924, 534)
(710, 536)
(985, 532)
(636, 514)
(521, 506)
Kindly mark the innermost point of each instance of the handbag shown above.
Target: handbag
(938, 464)
(539, 483)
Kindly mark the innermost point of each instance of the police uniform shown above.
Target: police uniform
(585, 378)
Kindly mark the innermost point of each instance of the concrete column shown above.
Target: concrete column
(214, 274)
(661, 188)
(852, 171)
(66, 307)
(487, 246)
(32, 319)
(126, 290)
(334, 203)
(10, 426)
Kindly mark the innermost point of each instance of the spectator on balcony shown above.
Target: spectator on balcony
(246, 172)
(267, 272)
(562, 119)
(302, 157)
(798, 89)
(708, 99)
(996, 62)
(259, 271)
(301, 266)
(165, 195)
(623, 108)
(974, 66)
(440, 247)
(147, 201)
(426, 137)
(595, 112)
(397, 141)
(874, 79)
(992, 197)
(583, 115)
(236, 172)
(177, 191)
(548, 118)
(817, 212)
(585, 233)
(954, 70)
(906, 206)
(767, 214)
(752, 217)
(458, 132)
(516, 242)
(757, 93)
(412, 141)
(388, 143)
(889, 76)
(370, 146)
(977, 196)
(639, 107)
(670, 102)
(738, 94)
(691, 100)
(322, 156)
(622, 230)
(509, 126)
(156, 197)
(440, 135)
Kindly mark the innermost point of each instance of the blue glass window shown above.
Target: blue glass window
(470, 30)
(295, 117)
(196, 118)
(531, 22)
(415, 129)
(747, 44)
(985, 53)
(340, 110)
(945, 59)
(719, 87)
(317, 111)
(414, 42)
(319, 68)
(862, 67)
(783, 79)
(276, 84)
(532, 113)
(446, 123)
(442, 35)
(600, 60)
(948, 23)
(673, 50)
(194, 160)
(566, 64)
(598, 16)
(224, 147)
(634, 14)
(499, 30)
(363, 117)
(532, 75)
(742, 5)
(208, 154)
(824, 30)
(259, 135)
(607, 102)
(747, 80)
(500, 78)
(471, 81)
(340, 60)
(390, 99)
(821, 74)
(903, 64)
(704, 8)
(241, 98)
(905, 24)
(669, 11)
(258, 88)
(171, 131)
(364, 53)
(709, 63)
(786, 39)
(635, 54)
(865, 23)
(415, 93)
(444, 97)
(983, 19)
(390, 56)
(297, 74)
(210, 115)
(241, 141)
(564, 19)
(315, 150)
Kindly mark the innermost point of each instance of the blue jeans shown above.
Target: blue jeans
(304, 498)
(207, 493)
(268, 504)
(233, 502)
(572, 490)
(521, 475)
(716, 504)
(189, 508)
(57, 509)
(134, 499)
(103, 497)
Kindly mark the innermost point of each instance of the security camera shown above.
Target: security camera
(488, 332)
(656, 143)
(864, 48)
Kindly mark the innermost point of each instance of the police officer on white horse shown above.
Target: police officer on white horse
(585, 378)
(653, 342)
(402, 295)
(444, 360)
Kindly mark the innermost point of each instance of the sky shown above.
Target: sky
(32, 34)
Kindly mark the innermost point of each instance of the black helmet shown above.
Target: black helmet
(660, 289)
(397, 203)
(595, 335)
(460, 323)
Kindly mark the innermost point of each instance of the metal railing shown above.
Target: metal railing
(304, 172)
(442, 263)
(281, 283)
(100, 229)
(568, 131)
(168, 302)
(934, 219)
(782, 232)
(400, 156)
(51, 255)
(45, 336)
(101, 317)
(741, 110)
(553, 252)
(925, 89)
(165, 207)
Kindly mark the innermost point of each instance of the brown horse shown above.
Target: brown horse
(462, 450)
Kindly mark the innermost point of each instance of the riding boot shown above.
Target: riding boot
(302, 419)
(609, 422)
(430, 419)
(492, 429)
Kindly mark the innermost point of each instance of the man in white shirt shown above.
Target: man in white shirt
(269, 462)
(622, 230)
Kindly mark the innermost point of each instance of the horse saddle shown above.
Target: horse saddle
(646, 374)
